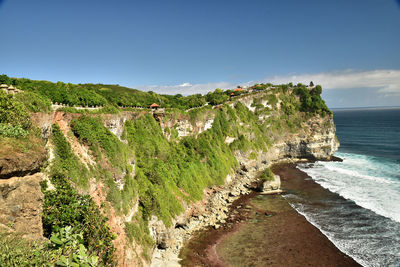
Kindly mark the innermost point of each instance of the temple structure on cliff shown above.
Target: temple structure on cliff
(10, 89)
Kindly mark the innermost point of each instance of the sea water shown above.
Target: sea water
(364, 220)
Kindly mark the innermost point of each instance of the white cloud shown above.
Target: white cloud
(185, 85)
(387, 81)
(185, 88)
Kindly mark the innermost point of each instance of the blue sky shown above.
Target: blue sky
(191, 46)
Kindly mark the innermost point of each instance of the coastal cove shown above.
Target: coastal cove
(200, 133)
(352, 203)
(265, 230)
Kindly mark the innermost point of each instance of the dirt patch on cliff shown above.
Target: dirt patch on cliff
(81, 151)
(125, 253)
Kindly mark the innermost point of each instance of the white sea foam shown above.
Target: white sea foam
(357, 174)
(370, 239)
(341, 245)
(365, 180)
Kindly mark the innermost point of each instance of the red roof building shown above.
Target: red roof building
(238, 90)
(154, 106)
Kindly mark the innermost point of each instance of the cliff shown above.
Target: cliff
(145, 180)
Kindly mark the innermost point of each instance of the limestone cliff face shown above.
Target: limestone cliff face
(21, 198)
(317, 141)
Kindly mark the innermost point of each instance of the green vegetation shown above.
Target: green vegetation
(13, 112)
(97, 95)
(92, 132)
(217, 97)
(9, 130)
(65, 207)
(65, 162)
(66, 248)
(267, 175)
(138, 230)
(144, 165)
(34, 102)
(311, 101)
(70, 246)
(17, 251)
(165, 169)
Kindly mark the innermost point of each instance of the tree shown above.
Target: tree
(4, 79)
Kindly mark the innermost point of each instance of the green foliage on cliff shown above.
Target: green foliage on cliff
(92, 132)
(13, 112)
(17, 251)
(97, 95)
(217, 97)
(267, 175)
(138, 230)
(9, 130)
(311, 100)
(145, 166)
(65, 207)
(165, 169)
(34, 102)
(65, 162)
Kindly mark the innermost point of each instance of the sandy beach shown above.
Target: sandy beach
(264, 230)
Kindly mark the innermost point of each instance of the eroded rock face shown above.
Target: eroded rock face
(20, 164)
(115, 123)
(317, 141)
(21, 202)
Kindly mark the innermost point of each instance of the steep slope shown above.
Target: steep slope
(142, 181)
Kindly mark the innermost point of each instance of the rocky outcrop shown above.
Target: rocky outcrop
(21, 163)
(316, 140)
(271, 187)
(116, 122)
(21, 201)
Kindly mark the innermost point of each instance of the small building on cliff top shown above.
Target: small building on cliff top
(9, 89)
(154, 106)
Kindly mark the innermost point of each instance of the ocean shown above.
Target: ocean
(363, 220)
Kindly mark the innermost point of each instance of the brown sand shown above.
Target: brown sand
(250, 238)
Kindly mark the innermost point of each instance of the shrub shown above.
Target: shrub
(92, 132)
(34, 102)
(8, 130)
(267, 175)
(64, 207)
(66, 162)
(13, 112)
(71, 246)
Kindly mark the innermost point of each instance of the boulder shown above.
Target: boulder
(272, 186)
